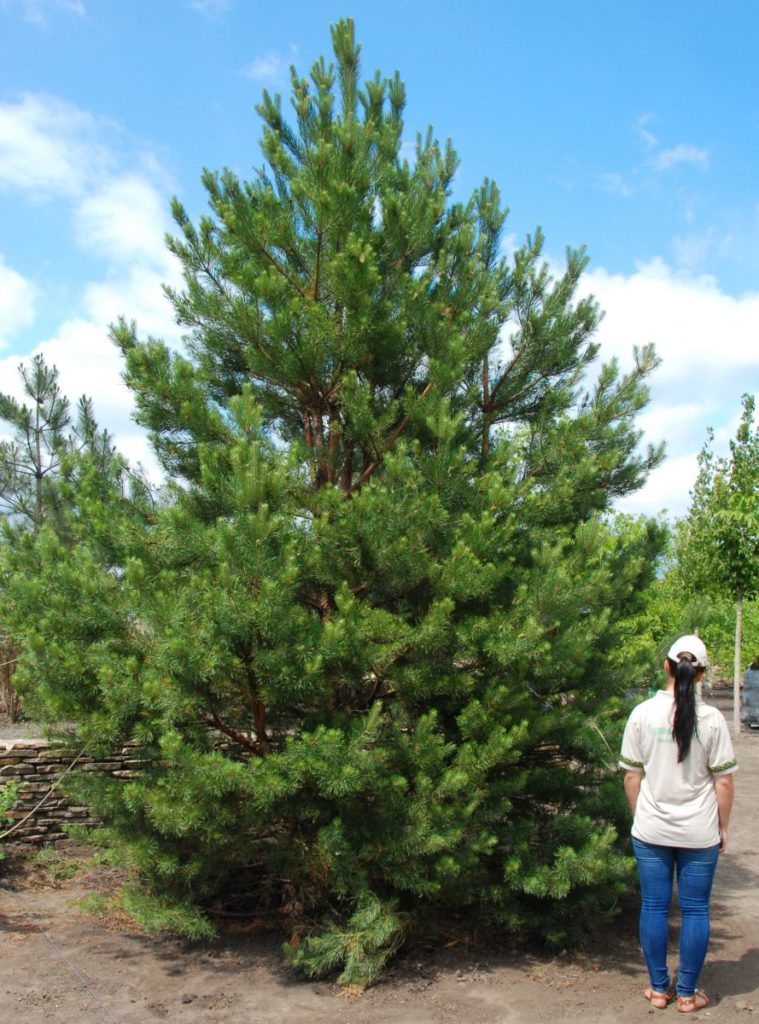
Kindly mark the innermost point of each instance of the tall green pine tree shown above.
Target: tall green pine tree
(372, 633)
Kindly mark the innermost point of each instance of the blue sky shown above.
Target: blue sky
(632, 129)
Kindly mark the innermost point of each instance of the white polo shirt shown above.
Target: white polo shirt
(677, 805)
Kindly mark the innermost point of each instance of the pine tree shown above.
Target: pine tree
(372, 634)
(50, 462)
(34, 461)
(31, 459)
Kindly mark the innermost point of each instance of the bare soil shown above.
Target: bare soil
(59, 964)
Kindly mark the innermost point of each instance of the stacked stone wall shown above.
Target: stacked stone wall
(35, 766)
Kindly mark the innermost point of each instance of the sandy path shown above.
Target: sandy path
(136, 980)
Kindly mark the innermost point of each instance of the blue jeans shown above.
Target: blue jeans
(695, 871)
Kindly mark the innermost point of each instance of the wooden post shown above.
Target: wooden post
(737, 665)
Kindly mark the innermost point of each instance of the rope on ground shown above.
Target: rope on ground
(41, 802)
(72, 967)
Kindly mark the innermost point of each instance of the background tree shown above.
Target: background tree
(374, 634)
(677, 603)
(40, 466)
(30, 460)
(43, 437)
(719, 548)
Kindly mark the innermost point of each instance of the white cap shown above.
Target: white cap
(692, 645)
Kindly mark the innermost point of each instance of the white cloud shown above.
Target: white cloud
(271, 68)
(708, 342)
(685, 153)
(667, 489)
(118, 202)
(646, 136)
(211, 8)
(616, 184)
(124, 221)
(89, 363)
(691, 250)
(119, 214)
(510, 242)
(694, 324)
(136, 294)
(37, 11)
(17, 301)
(50, 148)
(674, 421)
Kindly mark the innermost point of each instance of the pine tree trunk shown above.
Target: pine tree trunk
(737, 665)
(8, 695)
(38, 474)
(485, 411)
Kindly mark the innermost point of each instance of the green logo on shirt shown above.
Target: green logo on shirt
(663, 733)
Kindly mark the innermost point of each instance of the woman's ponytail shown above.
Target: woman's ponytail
(684, 672)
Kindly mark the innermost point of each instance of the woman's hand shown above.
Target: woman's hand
(723, 840)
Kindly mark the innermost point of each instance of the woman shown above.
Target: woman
(678, 761)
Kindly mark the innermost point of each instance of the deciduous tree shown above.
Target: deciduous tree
(720, 548)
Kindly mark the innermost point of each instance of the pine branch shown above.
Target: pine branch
(278, 267)
(254, 746)
(485, 409)
(374, 466)
(317, 272)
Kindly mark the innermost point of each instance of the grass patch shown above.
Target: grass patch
(55, 866)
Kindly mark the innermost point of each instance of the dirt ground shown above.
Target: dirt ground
(59, 964)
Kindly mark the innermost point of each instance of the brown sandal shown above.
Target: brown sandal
(659, 1000)
(689, 1004)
